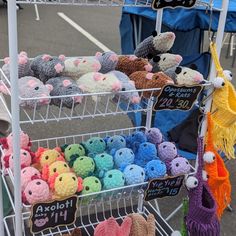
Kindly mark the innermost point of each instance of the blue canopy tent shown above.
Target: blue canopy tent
(188, 25)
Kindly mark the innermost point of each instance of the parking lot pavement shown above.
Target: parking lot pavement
(54, 35)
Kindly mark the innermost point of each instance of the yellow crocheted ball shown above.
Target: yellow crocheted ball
(49, 156)
(66, 184)
(59, 167)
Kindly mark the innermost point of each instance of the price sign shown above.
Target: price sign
(46, 215)
(159, 188)
(173, 97)
(159, 4)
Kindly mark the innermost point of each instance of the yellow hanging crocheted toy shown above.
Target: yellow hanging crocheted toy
(223, 110)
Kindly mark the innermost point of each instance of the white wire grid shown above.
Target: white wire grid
(107, 103)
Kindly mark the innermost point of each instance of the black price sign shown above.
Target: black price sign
(51, 214)
(159, 188)
(173, 97)
(159, 4)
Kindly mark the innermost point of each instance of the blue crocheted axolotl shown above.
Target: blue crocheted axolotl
(113, 179)
(155, 169)
(94, 146)
(123, 157)
(103, 162)
(134, 174)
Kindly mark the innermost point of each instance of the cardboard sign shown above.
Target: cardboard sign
(45, 215)
(159, 4)
(173, 97)
(159, 188)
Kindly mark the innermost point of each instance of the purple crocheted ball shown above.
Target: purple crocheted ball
(180, 166)
(154, 136)
(167, 151)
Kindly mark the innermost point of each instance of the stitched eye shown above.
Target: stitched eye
(123, 89)
(187, 162)
(55, 170)
(122, 140)
(164, 146)
(177, 164)
(145, 145)
(81, 159)
(24, 153)
(24, 171)
(164, 59)
(132, 135)
(80, 148)
(36, 88)
(87, 188)
(104, 78)
(102, 155)
(90, 142)
(109, 176)
(69, 148)
(101, 140)
(149, 131)
(65, 165)
(46, 157)
(123, 177)
(38, 183)
(131, 153)
(84, 61)
(142, 173)
(131, 168)
(111, 140)
(60, 179)
(120, 153)
(152, 168)
(74, 178)
(96, 181)
(185, 73)
(30, 193)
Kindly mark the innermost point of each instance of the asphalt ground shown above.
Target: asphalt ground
(53, 35)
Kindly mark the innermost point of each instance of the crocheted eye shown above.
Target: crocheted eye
(55, 170)
(177, 164)
(123, 89)
(120, 153)
(152, 168)
(12, 157)
(58, 155)
(132, 135)
(74, 178)
(131, 153)
(142, 173)
(24, 171)
(111, 140)
(65, 165)
(46, 157)
(187, 162)
(104, 78)
(60, 179)
(70, 87)
(87, 188)
(122, 140)
(80, 148)
(123, 177)
(145, 145)
(84, 61)
(164, 59)
(164, 146)
(102, 155)
(191, 182)
(69, 148)
(96, 181)
(185, 73)
(24, 153)
(101, 141)
(92, 163)
(209, 157)
(162, 163)
(131, 168)
(109, 176)
(36, 88)
(90, 142)
(149, 131)
(38, 183)
(81, 159)
(174, 148)
(30, 193)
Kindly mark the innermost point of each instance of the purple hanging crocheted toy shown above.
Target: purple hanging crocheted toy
(201, 219)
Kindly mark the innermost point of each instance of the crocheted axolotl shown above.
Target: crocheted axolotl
(23, 67)
(130, 64)
(165, 61)
(31, 87)
(71, 150)
(155, 44)
(64, 86)
(145, 80)
(76, 67)
(46, 66)
(98, 82)
(28, 174)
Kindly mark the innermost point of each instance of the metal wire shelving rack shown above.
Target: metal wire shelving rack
(117, 202)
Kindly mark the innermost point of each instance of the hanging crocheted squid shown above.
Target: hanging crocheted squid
(223, 109)
(218, 180)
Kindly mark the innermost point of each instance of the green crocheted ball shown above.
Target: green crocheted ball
(113, 179)
(84, 166)
(95, 146)
(72, 150)
(103, 162)
(91, 185)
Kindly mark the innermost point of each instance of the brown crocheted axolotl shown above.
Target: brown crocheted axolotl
(146, 80)
(130, 64)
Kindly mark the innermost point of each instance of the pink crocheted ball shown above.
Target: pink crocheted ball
(25, 159)
(28, 174)
(36, 191)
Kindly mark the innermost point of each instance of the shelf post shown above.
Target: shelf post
(13, 47)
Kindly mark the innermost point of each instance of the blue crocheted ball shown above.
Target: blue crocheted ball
(167, 151)
(115, 142)
(180, 166)
(94, 146)
(154, 136)
(134, 174)
(113, 179)
(155, 169)
(145, 153)
(123, 157)
(133, 140)
(103, 162)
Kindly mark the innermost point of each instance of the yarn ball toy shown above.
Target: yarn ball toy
(73, 149)
(115, 142)
(64, 86)
(133, 140)
(36, 191)
(65, 185)
(134, 174)
(127, 85)
(58, 167)
(155, 44)
(23, 67)
(154, 136)
(46, 66)
(165, 61)
(84, 166)
(167, 151)
(31, 87)
(76, 67)
(180, 166)
(113, 179)
(91, 184)
(130, 64)
(94, 146)
(28, 174)
(155, 169)
(145, 153)
(108, 61)
(103, 162)
(95, 82)
(123, 157)
(145, 80)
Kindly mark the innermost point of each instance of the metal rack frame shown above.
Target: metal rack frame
(16, 219)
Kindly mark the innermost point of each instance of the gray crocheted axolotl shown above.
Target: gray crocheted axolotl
(31, 87)
(64, 86)
(46, 66)
(155, 44)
